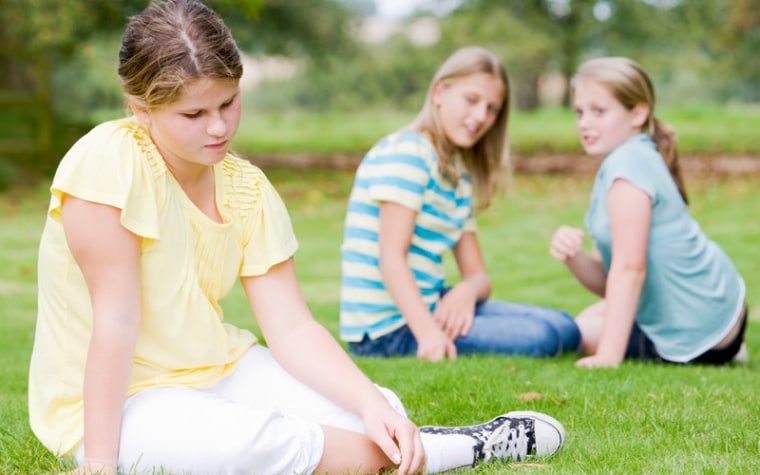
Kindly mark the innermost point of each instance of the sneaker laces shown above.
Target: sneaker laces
(504, 438)
(513, 440)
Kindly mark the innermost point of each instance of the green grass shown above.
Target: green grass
(314, 133)
(638, 418)
(702, 131)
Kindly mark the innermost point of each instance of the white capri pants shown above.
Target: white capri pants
(257, 420)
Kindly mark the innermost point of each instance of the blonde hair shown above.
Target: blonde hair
(630, 85)
(169, 45)
(487, 161)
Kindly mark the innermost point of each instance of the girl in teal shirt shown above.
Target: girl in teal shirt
(669, 293)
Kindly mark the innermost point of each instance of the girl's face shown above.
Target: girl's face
(196, 130)
(468, 106)
(603, 122)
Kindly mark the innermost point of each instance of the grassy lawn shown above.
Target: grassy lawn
(635, 419)
(703, 130)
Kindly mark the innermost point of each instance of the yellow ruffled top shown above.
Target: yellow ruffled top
(188, 263)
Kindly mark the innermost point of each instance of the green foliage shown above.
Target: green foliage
(504, 33)
(273, 26)
(677, 45)
(86, 84)
(392, 76)
(715, 40)
(298, 29)
(8, 174)
(697, 53)
(34, 26)
(738, 41)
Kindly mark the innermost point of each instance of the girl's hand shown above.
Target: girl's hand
(435, 345)
(566, 243)
(456, 310)
(598, 361)
(398, 438)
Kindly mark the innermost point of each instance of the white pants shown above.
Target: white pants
(257, 420)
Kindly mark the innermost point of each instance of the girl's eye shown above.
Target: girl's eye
(578, 112)
(194, 115)
(598, 111)
(493, 109)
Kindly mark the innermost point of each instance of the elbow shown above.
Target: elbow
(634, 273)
(390, 264)
(386, 272)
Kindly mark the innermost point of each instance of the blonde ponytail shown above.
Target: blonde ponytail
(664, 138)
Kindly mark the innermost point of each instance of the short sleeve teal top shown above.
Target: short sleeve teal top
(692, 295)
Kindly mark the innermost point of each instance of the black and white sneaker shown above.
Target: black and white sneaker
(513, 436)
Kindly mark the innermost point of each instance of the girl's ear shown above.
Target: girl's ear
(640, 113)
(437, 93)
(143, 115)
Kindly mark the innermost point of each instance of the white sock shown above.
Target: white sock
(447, 451)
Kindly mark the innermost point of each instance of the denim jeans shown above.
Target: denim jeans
(499, 327)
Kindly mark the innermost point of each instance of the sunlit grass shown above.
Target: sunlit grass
(636, 419)
(703, 131)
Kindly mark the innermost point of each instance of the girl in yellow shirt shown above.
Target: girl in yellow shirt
(151, 221)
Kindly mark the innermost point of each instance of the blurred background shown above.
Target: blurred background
(331, 76)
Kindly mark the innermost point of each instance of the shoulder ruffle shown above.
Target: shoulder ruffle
(256, 207)
(243, 185)
(146, 146)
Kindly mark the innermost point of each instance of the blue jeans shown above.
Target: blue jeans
(499, 327)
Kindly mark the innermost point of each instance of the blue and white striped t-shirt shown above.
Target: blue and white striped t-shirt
(401, 168)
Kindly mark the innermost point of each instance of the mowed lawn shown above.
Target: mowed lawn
(639, 418)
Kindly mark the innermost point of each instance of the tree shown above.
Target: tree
(514, 35)
(535, 37)
(737, 42)
(38, 38)
(674, 38)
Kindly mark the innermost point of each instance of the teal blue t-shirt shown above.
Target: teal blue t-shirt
(692, 295)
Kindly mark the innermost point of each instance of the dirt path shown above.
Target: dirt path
(715, 166)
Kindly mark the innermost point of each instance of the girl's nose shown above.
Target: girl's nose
(217, 127)
(481, 112)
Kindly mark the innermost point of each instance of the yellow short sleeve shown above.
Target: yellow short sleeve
(268, 236)
(110, 166)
